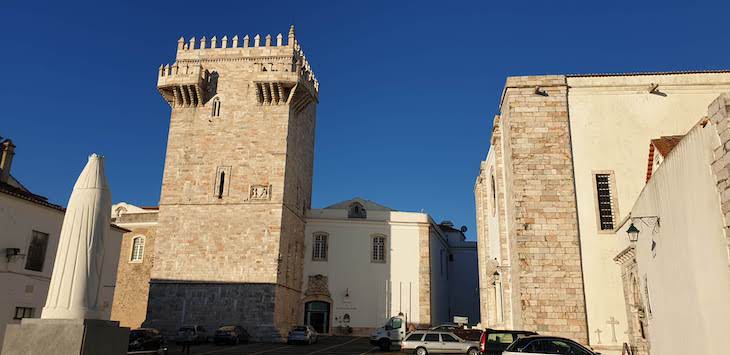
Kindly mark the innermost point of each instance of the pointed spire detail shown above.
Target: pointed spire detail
(245, 41)
(202, 43)
(181, 43)
(268, 40)
(279, 40)
(224, 42)
(256, 40)
(213, 42)
(192, 43)
(235, 41)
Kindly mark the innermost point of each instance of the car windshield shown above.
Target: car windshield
(299, 329)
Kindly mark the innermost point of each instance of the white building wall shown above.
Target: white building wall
(26, 288)
(377, 290)
(687, 275)
(612, 120)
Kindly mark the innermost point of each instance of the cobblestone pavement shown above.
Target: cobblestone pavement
(330, 345)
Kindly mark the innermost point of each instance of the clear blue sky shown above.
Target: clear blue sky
(408, 90)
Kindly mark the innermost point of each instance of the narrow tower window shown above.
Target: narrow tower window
(216, 107)
(605, 200)
(137, 249)
(221, 184)
(494, 195)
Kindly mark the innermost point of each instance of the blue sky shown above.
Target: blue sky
(408, 90)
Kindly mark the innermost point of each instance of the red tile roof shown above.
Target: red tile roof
(664, 145)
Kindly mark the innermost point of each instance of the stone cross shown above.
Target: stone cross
(598, 334)
(613, 322)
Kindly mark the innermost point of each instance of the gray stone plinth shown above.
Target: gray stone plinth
(35, 336)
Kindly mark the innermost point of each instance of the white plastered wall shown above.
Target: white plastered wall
(687, 272)
(612, 120)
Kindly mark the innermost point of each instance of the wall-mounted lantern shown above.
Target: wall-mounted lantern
(649, 221)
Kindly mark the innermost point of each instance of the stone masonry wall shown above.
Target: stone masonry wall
(214, 248)
(719, 113)
(424, 275)
(545, 232)
(130, 294)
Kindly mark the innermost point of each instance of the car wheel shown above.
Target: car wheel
(421, 351)
(472, 351)
(384, 345)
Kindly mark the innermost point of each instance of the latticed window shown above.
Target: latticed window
(36, 251)
(319, 247)
(605, 201)
(378, 249)
(137, 249)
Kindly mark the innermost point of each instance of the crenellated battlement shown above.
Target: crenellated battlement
(269, 53)
(183, 85)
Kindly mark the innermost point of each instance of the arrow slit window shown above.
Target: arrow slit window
(606, 205)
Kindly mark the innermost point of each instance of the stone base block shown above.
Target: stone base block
(35, 336)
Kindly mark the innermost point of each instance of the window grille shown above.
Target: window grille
(605, 201)
(378, 254)
(319, 247)
(24, 312)
(137, 249)
(36, 251)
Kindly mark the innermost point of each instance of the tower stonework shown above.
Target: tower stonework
(237, 180)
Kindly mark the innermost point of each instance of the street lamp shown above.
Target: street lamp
(633, 233)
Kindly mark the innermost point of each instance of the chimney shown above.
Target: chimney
(6, 160)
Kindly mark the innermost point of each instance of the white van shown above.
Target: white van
(391, 334)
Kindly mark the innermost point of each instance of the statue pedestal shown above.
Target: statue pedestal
(65, 337)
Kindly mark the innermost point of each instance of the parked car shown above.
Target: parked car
(540, 345)
(423, 342)
(302, 334)
(463, 332)
(147, 339)
(230, 334)
(494, 342)
(194, 334)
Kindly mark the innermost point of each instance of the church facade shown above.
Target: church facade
(567, 156)
(231, 240)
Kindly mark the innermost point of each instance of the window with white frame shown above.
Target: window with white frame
(319, 247)
(137, 249)
(378, 251)
(604, 183)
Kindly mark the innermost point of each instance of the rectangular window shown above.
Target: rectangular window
(23, 312)
(605, 198)
(378, 254)
(36, 251)
(319, 247)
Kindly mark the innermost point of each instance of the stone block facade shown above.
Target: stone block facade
(237, 179)
(540, 270)
(719, 113)
(130, 294)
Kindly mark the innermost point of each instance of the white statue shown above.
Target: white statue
(76, 286)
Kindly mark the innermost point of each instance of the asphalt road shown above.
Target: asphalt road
(330, 345)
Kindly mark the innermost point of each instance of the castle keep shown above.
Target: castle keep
(237, 179)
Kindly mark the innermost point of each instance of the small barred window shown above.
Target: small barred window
(604, 194)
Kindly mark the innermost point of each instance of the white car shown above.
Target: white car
(304, 334)
(423, 342)
(546, 345)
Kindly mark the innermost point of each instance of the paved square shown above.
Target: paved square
(329, 345)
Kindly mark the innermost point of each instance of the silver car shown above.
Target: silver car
(423, 342)
(302, 334)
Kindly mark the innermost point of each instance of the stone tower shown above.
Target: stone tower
(237, 179)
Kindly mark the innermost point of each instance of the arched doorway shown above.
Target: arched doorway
(317, 314)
